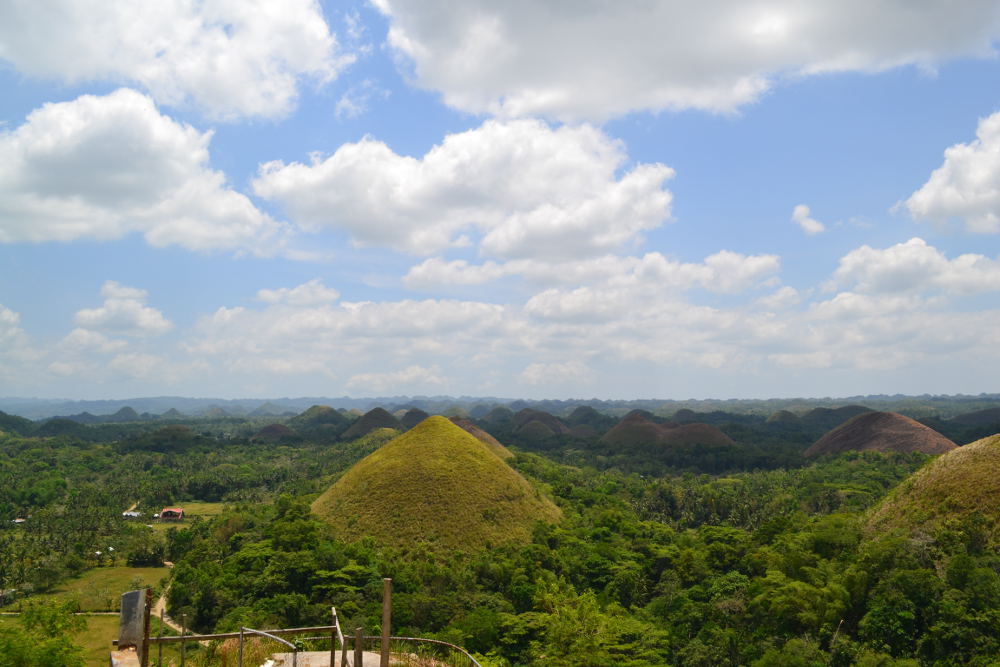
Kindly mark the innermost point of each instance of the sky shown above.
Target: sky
(726, 199)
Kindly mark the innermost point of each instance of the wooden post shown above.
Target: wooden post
(133, 624)
(386, 620)
(184, 623)
(159, 645)
(359, 648)
(333, 638)
(239, 662)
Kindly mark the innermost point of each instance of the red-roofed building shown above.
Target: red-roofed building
(172, 513)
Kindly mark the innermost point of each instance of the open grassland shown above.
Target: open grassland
(100, 589)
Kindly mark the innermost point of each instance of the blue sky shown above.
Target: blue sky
(676, 200)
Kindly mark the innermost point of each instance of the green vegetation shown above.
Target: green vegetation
(42, 636)
(435, 484)
(745, 555)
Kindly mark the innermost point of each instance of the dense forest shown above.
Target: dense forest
(742, 554)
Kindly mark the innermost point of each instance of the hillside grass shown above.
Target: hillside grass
(952, 487)
(100, 588)
(435, 484)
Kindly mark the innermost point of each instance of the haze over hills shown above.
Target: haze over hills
(943, 406)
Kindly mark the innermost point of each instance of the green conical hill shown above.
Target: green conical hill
(412, 417)
(435, 484)
(371, 420)
(963, 482)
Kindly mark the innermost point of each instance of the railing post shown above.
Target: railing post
(359, 648)
(239, 663)
(337, 634)
(159, 645)
(184, 622)
(386, 620)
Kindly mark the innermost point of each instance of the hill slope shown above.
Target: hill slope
(495, 445)
(437, 484)
(371, 420)
(881, 432)
(962, 482)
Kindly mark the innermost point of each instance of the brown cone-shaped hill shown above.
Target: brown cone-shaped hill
(783, 417)
(412, 417)
(483, 437)
(881, 432)
(526, 418)
(955, 485)
(434, 484)
(637, 429)
(371, 420)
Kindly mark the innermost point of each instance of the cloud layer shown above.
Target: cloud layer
(101, 167)
(966, 187)
(231, 58)
(498, 58)
(518, 189)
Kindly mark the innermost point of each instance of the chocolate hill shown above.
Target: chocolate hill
(529, 423)
(318, 415)
(498, 415)
(371, 420)
(412, 417)
(434, 484)
(783, 417)
(483, 437)
(881, 432)
(275, 433)
(963, 482)
(638, 429)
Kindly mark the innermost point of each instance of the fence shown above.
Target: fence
(405, 651)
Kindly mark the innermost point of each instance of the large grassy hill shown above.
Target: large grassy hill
(961, 483)
(435, 484)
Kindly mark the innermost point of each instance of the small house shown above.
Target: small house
(172, 513)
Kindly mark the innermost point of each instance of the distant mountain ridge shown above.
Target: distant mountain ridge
(918, 407)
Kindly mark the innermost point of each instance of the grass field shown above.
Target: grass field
(101, 630)
(100, 589)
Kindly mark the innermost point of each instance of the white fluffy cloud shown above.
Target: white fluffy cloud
(802, 216)
(231, 58)
(103, 167)
(597, 60)
(721, 272)
(526, 189)
(123, 312)
(307, 294)
(915, 266)
(966, 187)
